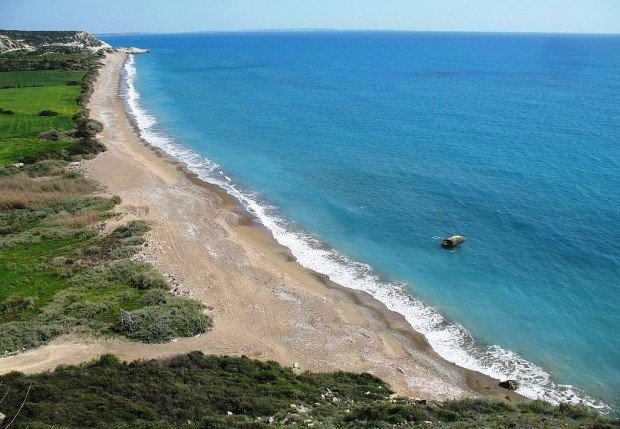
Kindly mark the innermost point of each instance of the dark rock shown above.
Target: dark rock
(509, 384)
(453, 241)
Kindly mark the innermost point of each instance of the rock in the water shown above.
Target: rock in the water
(509, 384)
(133, 50)
(2, 418)
(453, 241)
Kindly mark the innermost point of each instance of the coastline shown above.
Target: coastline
(264, 304)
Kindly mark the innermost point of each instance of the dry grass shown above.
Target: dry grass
(82, 219)
(20, 191)
(58, 171)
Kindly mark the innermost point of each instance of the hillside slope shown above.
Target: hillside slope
(14, 40)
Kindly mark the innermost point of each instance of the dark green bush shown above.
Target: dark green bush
(78, 150)
(48, 113)
(46, 167)
(53, 135)
(86, 147)
(178, 317)
(133, 229)
(198, 391)
(21, 335)
(140, 275)
(6, 112)
(87, 128)
(156, 297)
(387, 412)
(123, 252)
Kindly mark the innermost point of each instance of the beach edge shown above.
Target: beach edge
(246, 231)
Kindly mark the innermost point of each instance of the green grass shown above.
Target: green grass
(28, 271)
(198, 391)
(39, 78)
(27, 103)
(13, 150)
(32, 100)
(31, 125)
(33, 92)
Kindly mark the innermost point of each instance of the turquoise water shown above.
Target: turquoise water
(361, 150)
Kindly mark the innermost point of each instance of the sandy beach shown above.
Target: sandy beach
(263, 303)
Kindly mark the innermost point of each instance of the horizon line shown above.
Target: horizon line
(345, 30)
(326, 30)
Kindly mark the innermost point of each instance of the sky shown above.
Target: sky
(171, 16)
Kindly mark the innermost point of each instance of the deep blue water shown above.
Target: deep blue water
(376, 144)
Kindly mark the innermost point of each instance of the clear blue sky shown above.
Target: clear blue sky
(115, 16)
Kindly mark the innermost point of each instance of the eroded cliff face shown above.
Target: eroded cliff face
(7, 45)
(14, 40)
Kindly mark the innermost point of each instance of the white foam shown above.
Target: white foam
(449, 339)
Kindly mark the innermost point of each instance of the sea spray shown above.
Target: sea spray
(449, 339)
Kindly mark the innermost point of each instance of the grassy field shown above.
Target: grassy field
(16, 126)
(29, 93)
(32, 100)
(13, 150)
(28, 275)
(39, 78)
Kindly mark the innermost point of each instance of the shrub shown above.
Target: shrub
(48, 167)
(133, 229)
(86, 147)
(18, 303)
(179, 317)
(80, 149)
(6, 112)
(124, 252)
(17, 336)
(92, 250)
(134, 240)
(82, 310)
(53, 135)
(48, 112)
(156, 297)
(197, 391)
(87, 128)
(140, 275)
(71, 174)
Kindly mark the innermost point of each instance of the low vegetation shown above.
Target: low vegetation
(59, 272)
(198, 391)
(35, 78)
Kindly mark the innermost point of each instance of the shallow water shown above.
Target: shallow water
(361, 150)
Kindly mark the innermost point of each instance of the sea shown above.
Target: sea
(361, 151)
